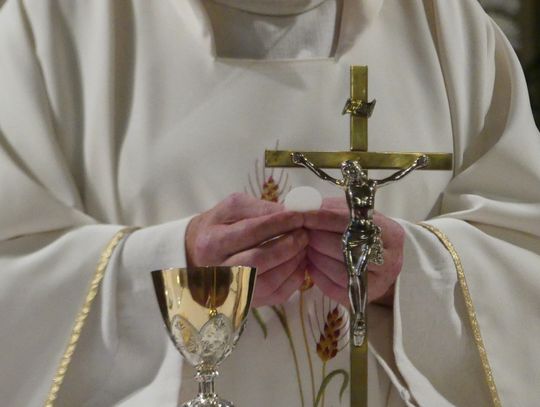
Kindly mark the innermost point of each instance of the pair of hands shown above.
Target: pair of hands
(283, 245)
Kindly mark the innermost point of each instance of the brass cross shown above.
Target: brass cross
(359, 140)
(360, 109)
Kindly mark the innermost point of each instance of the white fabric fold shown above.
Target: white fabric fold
(433, 339)
(125, 322)
(118, 113)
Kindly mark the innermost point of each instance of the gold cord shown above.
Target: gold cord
(83, 314)
(470, 311)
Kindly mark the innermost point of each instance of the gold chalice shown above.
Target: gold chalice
(205, 309)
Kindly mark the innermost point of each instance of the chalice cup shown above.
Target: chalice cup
(205, 310)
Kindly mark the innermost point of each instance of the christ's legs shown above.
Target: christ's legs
(357, 268)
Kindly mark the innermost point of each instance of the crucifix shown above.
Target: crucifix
(361, 240)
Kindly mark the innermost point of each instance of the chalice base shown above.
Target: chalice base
(207, 401)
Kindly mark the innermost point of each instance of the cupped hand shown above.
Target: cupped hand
(325, 256)
(243, 230)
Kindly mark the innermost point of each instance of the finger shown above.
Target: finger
(216, 243)
(271, 280)
(335, 203)
(273, 253)
(393, 262)
(252, 232)
(385, 276)
(378, 285)
(331, 221)
(334, 218)
(393, 237)
(335, 270)
(393, 234)
(387, 299)
(239, 206)
(327, 243)
(327, 286)
(288, 288)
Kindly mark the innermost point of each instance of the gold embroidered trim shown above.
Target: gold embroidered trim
(83, 314)
(470, 311)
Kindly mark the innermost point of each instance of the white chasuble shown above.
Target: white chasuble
(119, 113)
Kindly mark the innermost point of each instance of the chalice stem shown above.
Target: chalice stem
(206, 383)
(207, 396)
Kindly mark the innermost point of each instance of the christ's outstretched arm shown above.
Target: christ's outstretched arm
(420, 162)
(301, 160)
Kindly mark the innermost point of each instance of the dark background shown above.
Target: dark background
(520, 20)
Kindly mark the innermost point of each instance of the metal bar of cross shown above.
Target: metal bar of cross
(360, 110)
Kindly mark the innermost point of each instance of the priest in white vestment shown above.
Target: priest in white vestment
(130, 113)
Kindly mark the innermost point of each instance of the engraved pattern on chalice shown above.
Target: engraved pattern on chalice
(204, 310)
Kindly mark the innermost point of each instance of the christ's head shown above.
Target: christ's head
(352, 171)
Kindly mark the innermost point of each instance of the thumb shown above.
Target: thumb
(334, 203)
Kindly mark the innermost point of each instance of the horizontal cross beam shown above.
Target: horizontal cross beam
(367, 159)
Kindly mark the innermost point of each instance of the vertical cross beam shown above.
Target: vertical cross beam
(359, 142)
(359, 124)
